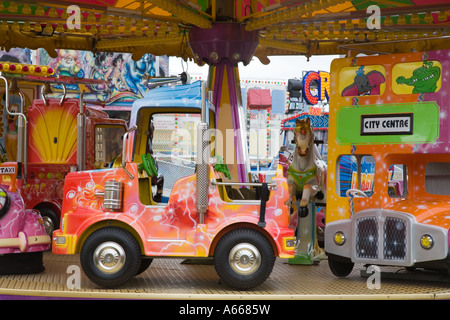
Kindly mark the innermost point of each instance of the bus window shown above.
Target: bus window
(346, 166)
(348, 174)
(398, 181)
(437, 178)
(367, 177)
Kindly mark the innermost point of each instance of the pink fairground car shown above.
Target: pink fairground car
(22, 235)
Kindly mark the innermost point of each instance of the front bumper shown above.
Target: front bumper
(385, 237)
(288, 248)
(63, 243)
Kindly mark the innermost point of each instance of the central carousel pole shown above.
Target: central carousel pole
(222, 47)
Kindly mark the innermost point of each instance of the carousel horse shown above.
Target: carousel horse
(306, 179)
(302, 172)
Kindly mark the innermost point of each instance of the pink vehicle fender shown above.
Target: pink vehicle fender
(22, 236)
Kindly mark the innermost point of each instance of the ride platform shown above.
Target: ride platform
(174, 279)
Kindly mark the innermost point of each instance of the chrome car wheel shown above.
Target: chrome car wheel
(244, 258)
(109, 257)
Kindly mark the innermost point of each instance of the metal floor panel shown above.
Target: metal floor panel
(170, 279)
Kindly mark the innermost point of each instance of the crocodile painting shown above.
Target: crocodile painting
(424, 79)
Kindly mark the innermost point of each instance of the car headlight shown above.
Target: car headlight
(426, 241)
(339, 238)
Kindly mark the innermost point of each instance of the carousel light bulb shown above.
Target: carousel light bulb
(428, 17)
(59, 28)
(91, 18)
(388, 21)
(415, 19)
(349, 24)
(442, 16)
(26, 27)
(37, 27)
(53, 13)
(26, 9)
(48, 28)
(39, 11)
(13, 7)
(4, 26)
(362, 23)
(401, 20)
(336, 26)
(15, 26)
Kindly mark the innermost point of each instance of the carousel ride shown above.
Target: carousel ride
(223, 33)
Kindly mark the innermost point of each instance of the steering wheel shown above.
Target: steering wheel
(355, 193)
(148, 164)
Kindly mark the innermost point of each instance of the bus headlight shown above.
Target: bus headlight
(339, 238)
(426, 241)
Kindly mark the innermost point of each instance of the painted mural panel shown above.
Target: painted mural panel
(124, 79)
(362, 80)
(416, 77)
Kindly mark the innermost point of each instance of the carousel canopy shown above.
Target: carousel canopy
(285, 27)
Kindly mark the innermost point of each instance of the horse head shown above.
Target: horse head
(303, 136)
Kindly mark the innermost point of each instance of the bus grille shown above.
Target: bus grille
(367, 238)
(394, 238)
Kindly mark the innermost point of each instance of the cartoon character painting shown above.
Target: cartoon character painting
(122, 76)
(102, 70)
(68, 64)
(424, 79)
(122, 79)
(136, 71)
(365, 83)
(118, 81)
